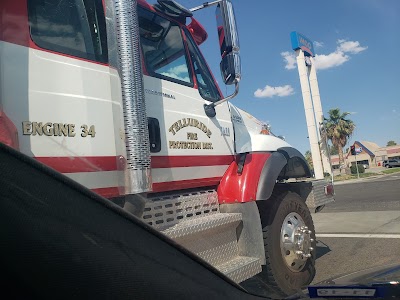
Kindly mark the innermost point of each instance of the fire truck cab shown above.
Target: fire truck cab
(117, 96)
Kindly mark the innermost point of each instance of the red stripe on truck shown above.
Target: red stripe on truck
(185, 184)
(77, 164)
(108, 192)
(158, 162)
(111, 192)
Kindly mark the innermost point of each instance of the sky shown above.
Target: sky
(357, 46)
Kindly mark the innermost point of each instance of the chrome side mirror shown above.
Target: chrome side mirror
(228, 42)
(229, 47)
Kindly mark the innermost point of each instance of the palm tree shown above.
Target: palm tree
(308, 158)
(338, 129)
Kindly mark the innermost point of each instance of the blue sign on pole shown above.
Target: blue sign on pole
(300, 41)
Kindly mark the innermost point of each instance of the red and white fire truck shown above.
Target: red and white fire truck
(116, 95)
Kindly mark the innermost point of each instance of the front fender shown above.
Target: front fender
(239, 183)
(252, 176)
(285, 163)
(297, 166)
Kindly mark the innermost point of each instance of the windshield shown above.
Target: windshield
(179, 190)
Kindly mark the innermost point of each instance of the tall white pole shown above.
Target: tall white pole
(310, 118)
(319, 115)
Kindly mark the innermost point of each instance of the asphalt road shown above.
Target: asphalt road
(376, 194)
(361, 229)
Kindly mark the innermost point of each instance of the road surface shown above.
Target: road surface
(361, 229)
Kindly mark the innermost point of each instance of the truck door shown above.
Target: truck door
(188, 148)
(55, 88)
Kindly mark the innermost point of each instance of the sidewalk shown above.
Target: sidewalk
(380, 222)
(363, 179)
(359, 180)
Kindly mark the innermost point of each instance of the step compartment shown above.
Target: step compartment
(194, 221)
(213, 237)
(241, 268)
(165, 211)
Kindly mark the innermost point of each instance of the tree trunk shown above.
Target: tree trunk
(341, 159)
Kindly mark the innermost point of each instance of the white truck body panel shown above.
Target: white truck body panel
(40, 86)
(247, 134)
(60, 89)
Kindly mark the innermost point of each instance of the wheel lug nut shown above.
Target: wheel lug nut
(311, 240)
(311, 248)
(299, 252)
(307, 255)
(309, 232)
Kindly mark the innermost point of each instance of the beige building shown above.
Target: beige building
(371, 155)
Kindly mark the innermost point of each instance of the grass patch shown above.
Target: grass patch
(390, 171)
(363, 175)
(353, 176)
(342, 177)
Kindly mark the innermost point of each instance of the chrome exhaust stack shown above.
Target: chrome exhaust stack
(124, 56)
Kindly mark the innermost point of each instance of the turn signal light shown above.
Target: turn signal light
(265, 129)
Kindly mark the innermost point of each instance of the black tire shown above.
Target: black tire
(276, 273)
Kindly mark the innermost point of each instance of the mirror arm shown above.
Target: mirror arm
(204, 5)
(229, 97)
(210, 108)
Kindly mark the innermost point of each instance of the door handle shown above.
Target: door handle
(154, 135)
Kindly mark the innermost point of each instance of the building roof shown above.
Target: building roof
(370, 145)
(370, 151)
(390, 147)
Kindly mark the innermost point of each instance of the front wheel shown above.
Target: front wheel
(289, 243)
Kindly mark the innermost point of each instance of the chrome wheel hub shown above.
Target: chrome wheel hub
(296, 242)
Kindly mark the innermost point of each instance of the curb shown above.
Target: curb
(361, 179)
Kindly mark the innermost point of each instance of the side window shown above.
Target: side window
(207, 87)
(163, 48)
(74, 27)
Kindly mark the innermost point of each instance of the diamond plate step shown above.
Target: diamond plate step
(240, 268)
(193, 226)
(211, 237)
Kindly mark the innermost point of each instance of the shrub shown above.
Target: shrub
(354, 170)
